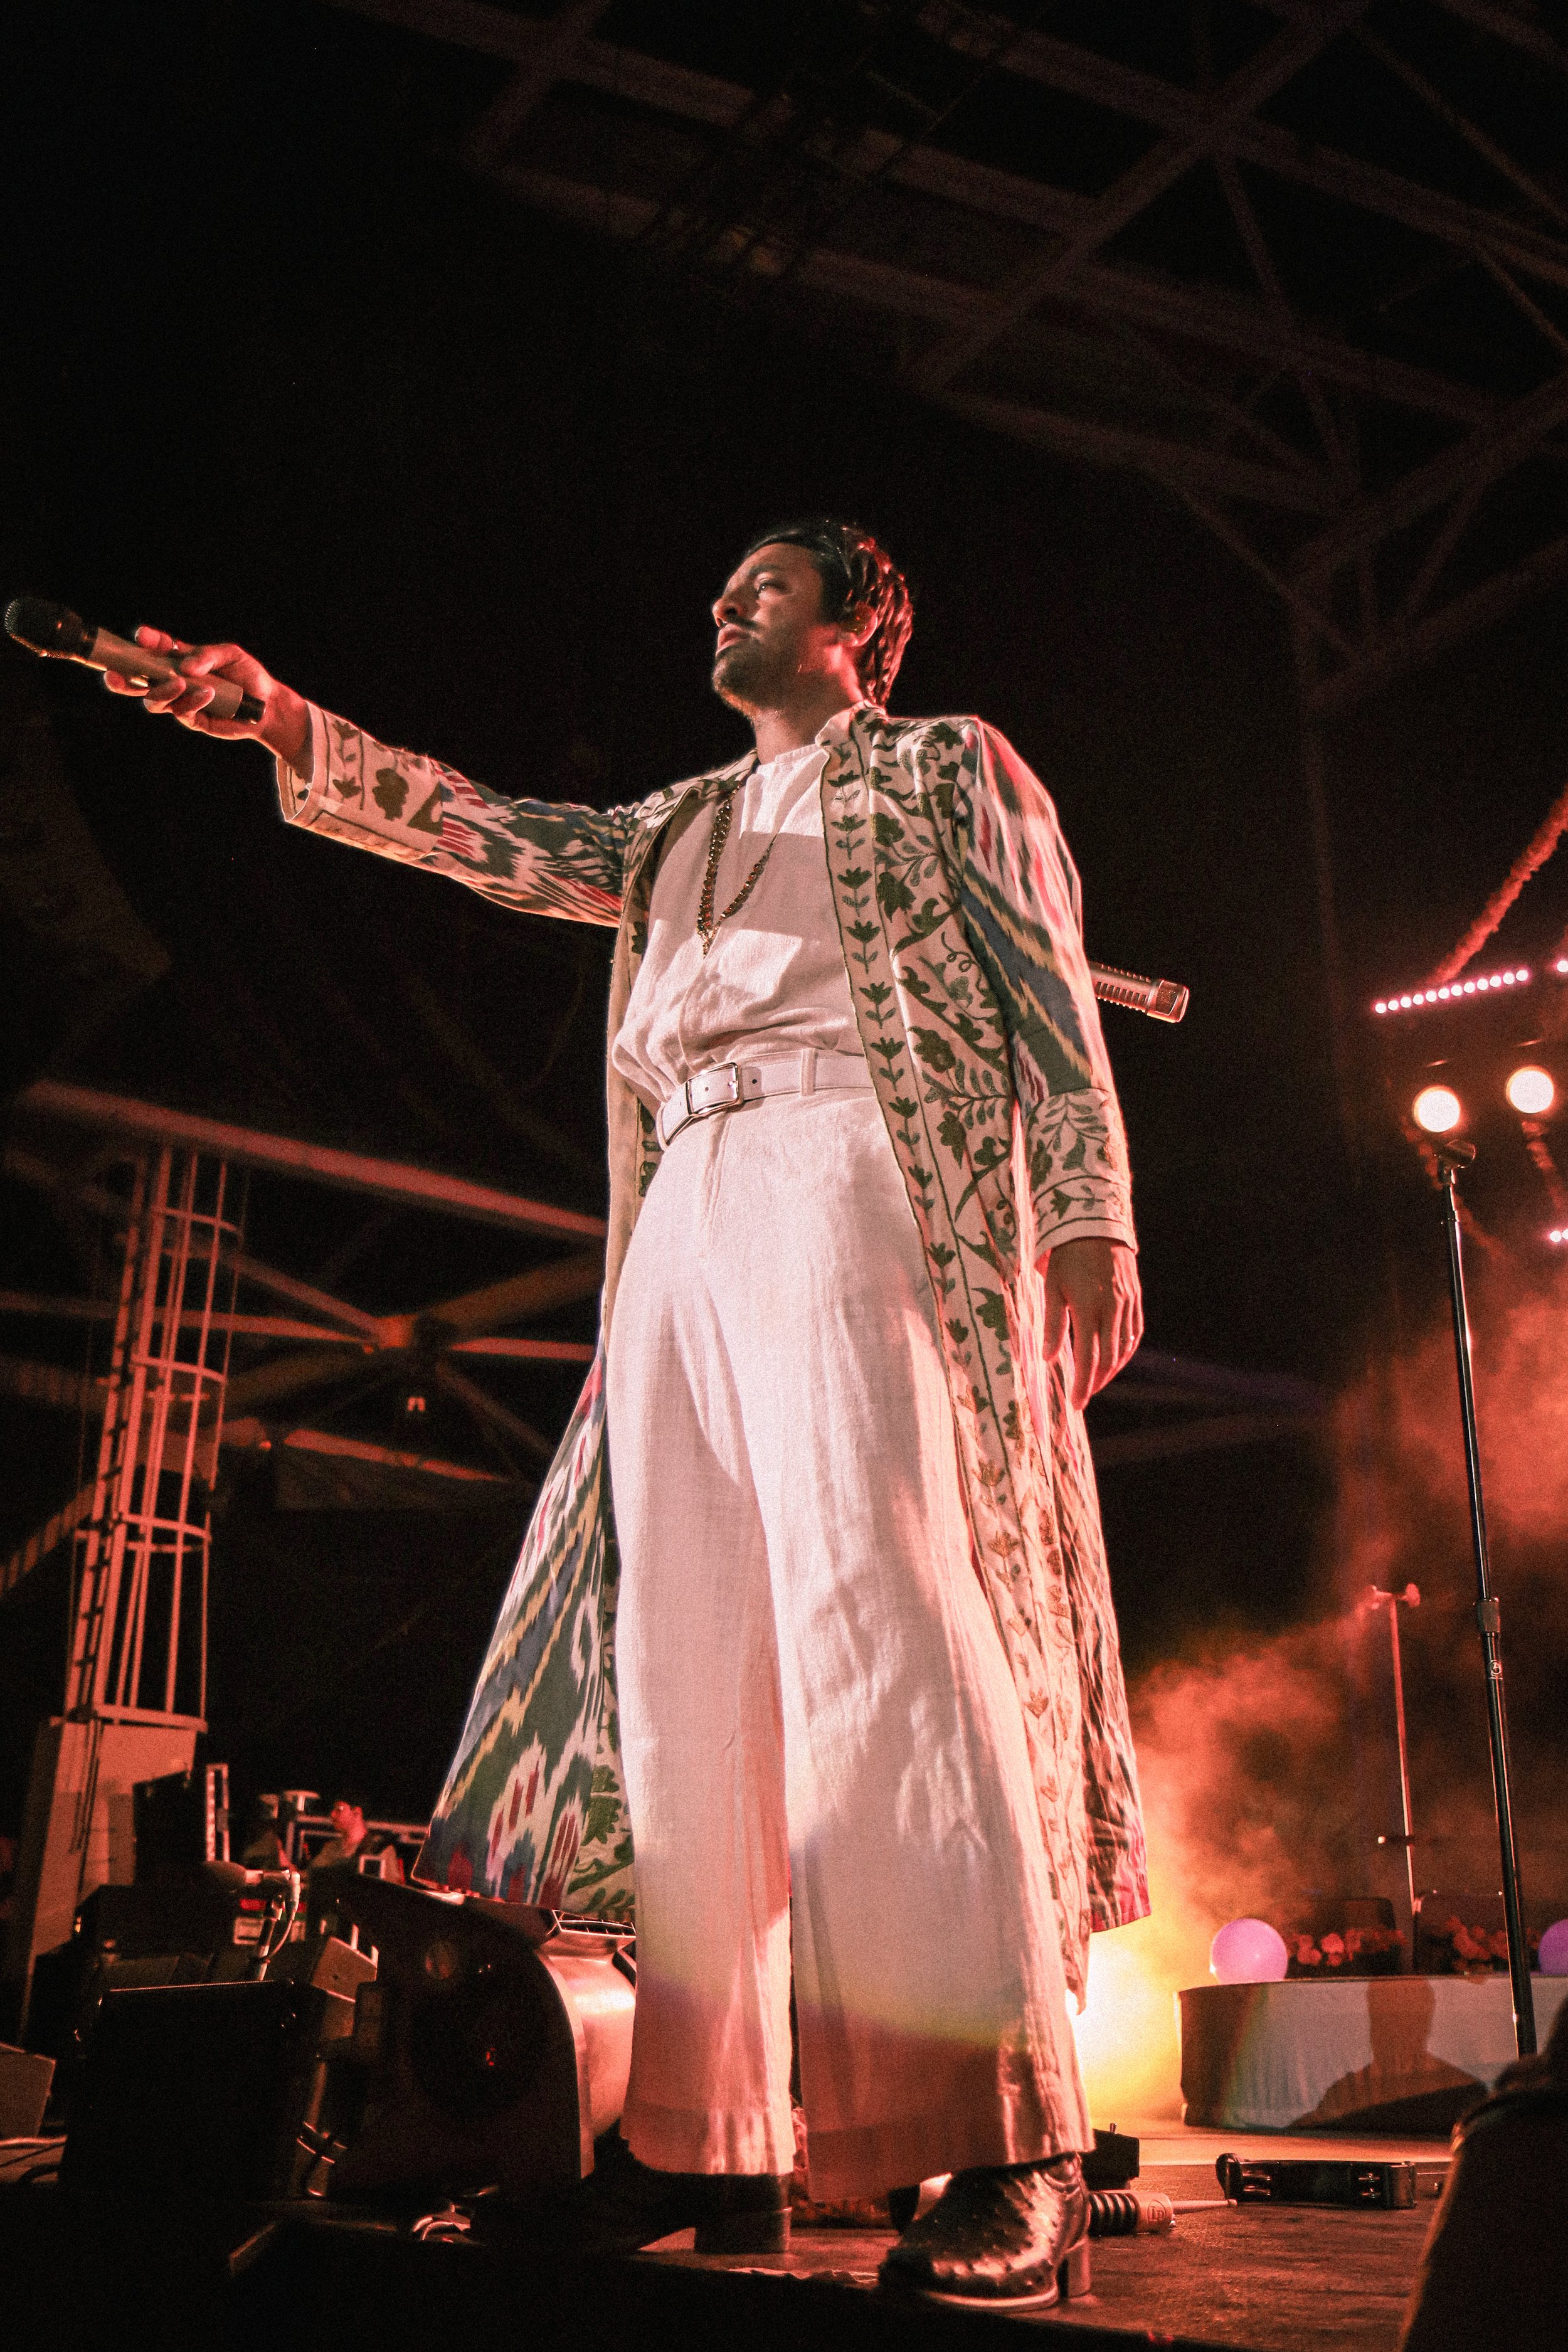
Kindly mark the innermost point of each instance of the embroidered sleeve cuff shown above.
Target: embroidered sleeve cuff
(359, 789)
(1089, 1229)
(1079, 1176)
(295, 788)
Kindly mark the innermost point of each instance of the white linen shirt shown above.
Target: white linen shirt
(774, 979)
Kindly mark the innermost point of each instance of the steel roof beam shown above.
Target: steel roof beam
(1036, 56)
(1460, 123)
(1199, 468)
(1203, 315)
(1207, 314)
(1516, 434)
(1405, 648)
(1203, 131)
(1224, 1431)
(555, 47)
(355, 1172)
(1319, 624)
(1221, 124)
(1511, 25)
(45, 1540)
(1208, 123)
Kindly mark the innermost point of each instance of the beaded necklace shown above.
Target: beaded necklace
(707, 922)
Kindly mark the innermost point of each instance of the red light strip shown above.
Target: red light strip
(1420, 998)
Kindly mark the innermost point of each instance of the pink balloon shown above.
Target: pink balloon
(1553, 1960)
(1248, 1952)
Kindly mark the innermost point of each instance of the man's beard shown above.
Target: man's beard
(749, 675)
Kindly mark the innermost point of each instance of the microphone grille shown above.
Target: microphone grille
(47, 628)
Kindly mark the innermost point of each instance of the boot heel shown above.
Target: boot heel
(743, 2233)
(1072, 2278)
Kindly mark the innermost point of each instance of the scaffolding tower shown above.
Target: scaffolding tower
(135, 1696)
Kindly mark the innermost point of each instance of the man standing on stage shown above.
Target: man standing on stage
(871, 1254)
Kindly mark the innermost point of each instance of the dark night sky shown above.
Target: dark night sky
(274, 369)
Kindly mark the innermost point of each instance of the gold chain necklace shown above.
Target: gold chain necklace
(707, 922)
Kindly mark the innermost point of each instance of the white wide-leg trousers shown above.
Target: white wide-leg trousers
(818, 1725)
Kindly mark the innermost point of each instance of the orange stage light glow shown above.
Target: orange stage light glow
(1437, 1109)
(1245, 1755)
(1531, 1091)
(1223, 1838)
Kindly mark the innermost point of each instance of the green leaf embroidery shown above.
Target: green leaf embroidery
(391, 792)
(992, 1310)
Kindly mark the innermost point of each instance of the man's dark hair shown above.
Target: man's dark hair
(857, 576)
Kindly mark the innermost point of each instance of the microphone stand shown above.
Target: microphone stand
(1450, 1158)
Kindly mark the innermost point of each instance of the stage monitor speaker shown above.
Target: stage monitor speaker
(324, 1960)
(202, 2092)
(497, 2041)
(180, 1820)
(197, 1913)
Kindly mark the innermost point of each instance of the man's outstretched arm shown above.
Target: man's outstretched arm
(542, 857)
(1021, 910)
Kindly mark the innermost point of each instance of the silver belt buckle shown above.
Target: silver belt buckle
(694, 1105)
(730, 1073)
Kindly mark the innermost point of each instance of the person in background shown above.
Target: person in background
(354, 1841)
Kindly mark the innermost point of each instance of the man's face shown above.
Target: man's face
(348, 1821)
(771, 629)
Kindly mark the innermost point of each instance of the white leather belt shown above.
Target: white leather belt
(729, 1083)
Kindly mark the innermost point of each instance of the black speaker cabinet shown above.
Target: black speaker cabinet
(497, 2041)
(201, 2091)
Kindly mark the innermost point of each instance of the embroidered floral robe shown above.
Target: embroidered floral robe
(958, 908)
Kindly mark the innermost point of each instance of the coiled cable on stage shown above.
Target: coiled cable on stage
(1124, 2212)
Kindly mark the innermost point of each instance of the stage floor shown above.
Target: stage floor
(1248, 2278)
(1255, 2278)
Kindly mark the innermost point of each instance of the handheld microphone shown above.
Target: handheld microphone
(1161, 1000)
(61, 634)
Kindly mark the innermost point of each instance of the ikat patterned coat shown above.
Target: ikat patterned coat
(958, 907)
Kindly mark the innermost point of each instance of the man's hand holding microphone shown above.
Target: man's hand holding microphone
(284, 725)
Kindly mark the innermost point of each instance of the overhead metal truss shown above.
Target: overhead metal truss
(1317, 288)
(333, 1353)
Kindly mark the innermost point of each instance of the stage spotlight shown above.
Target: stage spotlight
(1437, 1109)
(1531, 1091)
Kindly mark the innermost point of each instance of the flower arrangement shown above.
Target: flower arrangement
(1454, 1949)
(1357, 1952)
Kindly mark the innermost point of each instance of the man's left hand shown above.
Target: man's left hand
(1093, 1298)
